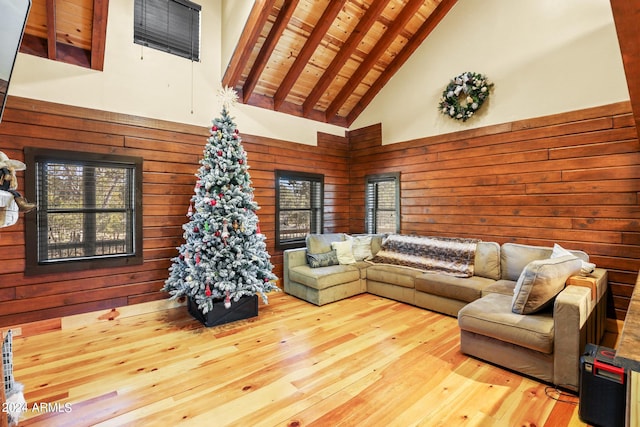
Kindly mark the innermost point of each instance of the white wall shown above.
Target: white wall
(149, 83)
(544, 57)
(234, 16)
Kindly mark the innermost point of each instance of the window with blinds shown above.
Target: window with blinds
(171, 26)
(382, 203)
(89, 209)
(299, 206)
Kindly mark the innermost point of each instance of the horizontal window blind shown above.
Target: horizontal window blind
(382, 203)
(299, 206)
(84, 210)
(168, 25)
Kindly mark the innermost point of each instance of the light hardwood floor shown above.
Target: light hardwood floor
(365, 361)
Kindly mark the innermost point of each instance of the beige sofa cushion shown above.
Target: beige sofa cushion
(462, 289)
(541, 281)
(514, 257)
(491, 316)
(487, 260)
(376, 243)
(504, 287)
(324, 277)
(361, 247)
(344, 251)
(399, 276)
(321, 243)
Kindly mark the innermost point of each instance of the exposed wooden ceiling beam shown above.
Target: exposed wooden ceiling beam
(99, 33)
(266, 102)
(68, 54)
(626, 15)
(267, 47)
(363, 69)
(257, 18)
(344, 82)
(346, 51)
(307, 51)
(52, 51)
(423, 32)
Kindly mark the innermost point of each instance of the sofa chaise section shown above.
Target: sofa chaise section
(545, 344)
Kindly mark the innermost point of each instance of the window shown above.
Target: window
(382, 203)
(89, 211)
(168, 25)
(299, 205)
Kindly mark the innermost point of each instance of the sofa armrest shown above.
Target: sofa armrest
(570, 313)
(292, 258)
(602, 282)
(573, 321)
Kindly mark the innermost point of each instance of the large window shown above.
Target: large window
(89, 211)
(382, 203)
(299, 205)
(168, 25)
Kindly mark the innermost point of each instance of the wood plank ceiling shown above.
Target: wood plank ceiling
(326, 60)
(319, 59)
(71, 31)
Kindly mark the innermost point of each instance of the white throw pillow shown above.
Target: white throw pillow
(587, 267)
(344, 251)
(362, 247)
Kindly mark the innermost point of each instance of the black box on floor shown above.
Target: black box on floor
(603, 387)
(245, 308)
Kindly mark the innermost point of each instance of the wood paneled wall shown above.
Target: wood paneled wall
(571, 179)
(171, 152)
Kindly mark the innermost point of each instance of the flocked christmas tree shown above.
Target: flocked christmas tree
(224, 256)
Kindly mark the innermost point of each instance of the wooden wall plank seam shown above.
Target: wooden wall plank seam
(571, 178)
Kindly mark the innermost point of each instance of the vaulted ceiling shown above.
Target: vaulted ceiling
(326, 60)
(319, 59)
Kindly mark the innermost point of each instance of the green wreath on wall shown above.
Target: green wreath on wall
(464, 95)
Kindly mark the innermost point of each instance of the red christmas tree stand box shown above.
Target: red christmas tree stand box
(245, 308)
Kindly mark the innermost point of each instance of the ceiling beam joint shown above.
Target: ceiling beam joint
(286, 11)
(307, 51)
(409, 10)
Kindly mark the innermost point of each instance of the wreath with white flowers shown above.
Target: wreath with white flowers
(464, 95)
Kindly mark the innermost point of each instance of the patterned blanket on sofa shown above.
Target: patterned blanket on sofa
(448, 255)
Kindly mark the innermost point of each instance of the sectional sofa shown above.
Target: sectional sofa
(511, 301)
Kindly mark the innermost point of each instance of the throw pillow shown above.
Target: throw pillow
(322, 260)
(321, 243)
(344, 251)
(540, 281)
(362, 248)
(587, 267)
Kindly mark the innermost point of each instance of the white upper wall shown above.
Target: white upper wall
(149, 83)
(234, 16)
(544, 57)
